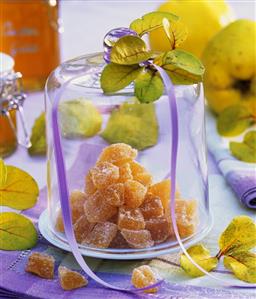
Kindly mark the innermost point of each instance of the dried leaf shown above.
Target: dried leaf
(240, 235)
(20, 190)
(38, 137)
(3, 173)
(201, 256)
(176, 32)
(16, 232)
(243, 265)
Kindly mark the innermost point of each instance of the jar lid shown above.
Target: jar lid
(6, 63)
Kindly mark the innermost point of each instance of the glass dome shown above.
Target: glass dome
(134, 220)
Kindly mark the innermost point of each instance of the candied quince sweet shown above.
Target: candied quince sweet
(137, 238)
(125, 173)
(130, 219)
(97, 209)
(90, 188)
(134, 193)
(104, 174)
(82, 227)
(140, 174)
(144, 276)
(102, 235)
(114, 194)
(77, 199)
(41, 264)
(159, 228)
(118, 153)
(70, 280)
(152, 207)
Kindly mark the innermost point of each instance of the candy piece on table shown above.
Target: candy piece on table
(152, 207)
(130, 219)
(140, 174)
(70, 280)
(82, 227)
(89, 186)
(137, 238)
(77, 200)
(119, 242)
(104, 174)
(41, 264)
(101, 236)
(125, 173)
(114, 194)
(134, 193)
(97, 209)
(144, 276)
(118, 154)
(163, 190)
(159, 228)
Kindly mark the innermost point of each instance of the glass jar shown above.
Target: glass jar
(79, 80)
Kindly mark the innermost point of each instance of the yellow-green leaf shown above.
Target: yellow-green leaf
(148, 87)
(240, 235)
(246, 150)
(79, 118)
(202, 257)
(16, 232)
(130, 50)
(3, 173)
(176, 32)
(20, 190)
(234, 120)
(243, 265)
(151, 21)
(134, 124)
(38, 137)
(116, 77)
(182, 67)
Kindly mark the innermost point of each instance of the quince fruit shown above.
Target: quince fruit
(203, 19)
(230, 63)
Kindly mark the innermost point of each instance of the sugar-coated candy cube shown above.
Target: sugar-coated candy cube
(82, 227)
(102, 235)
(104, 174)
(90, 188)
(130, 219)
(114, 194)
(152, 207)
(144, 276)
(125, 173)
(119, 241)
(159, 227)
(70, 280)
(134, 193)
(41, 264)
(140, 174)
(137, 238)
(97, 209)
(118, 154)
(163, 191)
(77, 200)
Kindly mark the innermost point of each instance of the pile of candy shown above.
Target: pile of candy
(122, 208)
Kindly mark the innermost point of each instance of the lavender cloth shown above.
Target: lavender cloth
(241, 176)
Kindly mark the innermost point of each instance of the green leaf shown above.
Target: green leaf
(234, 120)
(148, 87)
(3, 173)
(116, 77)
(176, 32)
(240, 235)
(181, 66)
(38, 137)
(134, 124)
(243, 265)
(20, 190)
(151, 21)
(201, 256)
(79, 118)
(130, 50)
(246, 150)
(16, 232)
